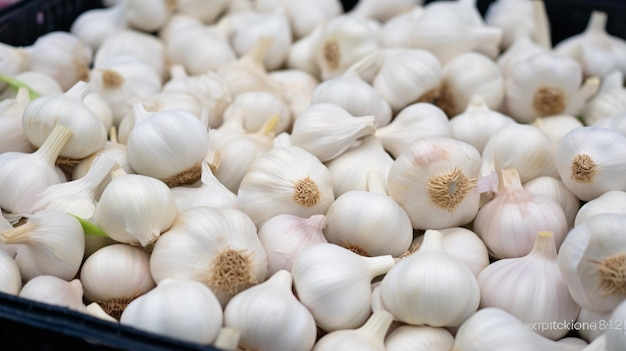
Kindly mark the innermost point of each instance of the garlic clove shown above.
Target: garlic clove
(298, 87)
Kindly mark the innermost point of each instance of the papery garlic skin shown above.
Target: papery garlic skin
(55, 291)
(434, 181)
(139, 219)
(181, 309)
(590, 160)
(609, 202)
(206, 12)
(288, 325)
(514, 17)
(410, 337)
(10, 277)
(148, 16)
(590, 258)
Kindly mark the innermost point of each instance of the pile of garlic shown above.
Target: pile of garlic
(284, 175)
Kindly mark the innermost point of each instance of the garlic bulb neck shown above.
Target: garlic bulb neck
(544, 246)
(54, 143)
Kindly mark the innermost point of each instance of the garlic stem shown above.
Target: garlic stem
(99, 172)
(542, 26)
(477, 104)
(378, 324)
(17, 234)
(283, 279)
(379, 264)
(510, 180)
(545, 246)
(78, 90)
(375, 183)
(597, 22)
(54, 143)
(433, 240)
(316, 223)
(588, 89)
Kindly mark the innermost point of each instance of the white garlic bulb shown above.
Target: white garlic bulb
(228, 254)
(590, 161)
(369, 336)
(508, 224)
(55, 291)
(284, 236)
(556, 190)
(205, 11)
(370, 223)
(138, 219)
(63, 56)
(298, 87)
(68, 109)
(257, 107)
(316, 12)
(349, 170)
(412, 337)
(327, 130)
(540, 294)
(10, 277)
(302, 54)
(591, 259)
(334, 284)
(396, 32)
(49, 243)
(466, 75)
(609, 202)
(285, 180)
(168, 145)
(287, 324)
(556, 127)
(382, 12)
(24, 174)
(416, 121)
(115, 275)
(609, 100)
(148, 16)
(100, 108)
(434, 180)
(11, 111)
(93, 26)
(180, 309)
(407, 76)
(477, 123)
(209, 193)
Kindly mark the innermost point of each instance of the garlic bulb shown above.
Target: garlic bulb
(598, 52)
(593, 324)
(10, 278)
(608, 101)
(334, 284)
(369, 336)
(540, 294)
(411, 337)
(175, 22)
(138, 219)
(298, 87)
(369, 223)
(49, 243)
(407, 76)
(180, 309)
(531, 156)
(383, 12)
(344, 41)
(257, 107)
(42, 83)
(121, 78)
(100, 108)
(396, 32)
(356, 96)
(316, 12)
(209, 193)
(327, 130)
(287, 324)
(115, 275)
(546, 84)
(519, 19)
(229, 257)
(616, 122)
(591, 259)
(508, 224)
(590, 161)
(466, 75)
(434, 180)
(55, 291)
(11, 111)
(24, 174)
(477, 123)
(302, 53)
(63, 56)
(148, 16)
(609, 202)
(77, 197)
(615, 335)
(285, 236)
(68, 109)
(205, 11)
(520, 50)
(554, 189)
(416, 121)
(492, 329)
(349, 170)
(285, 180)
(93, 26)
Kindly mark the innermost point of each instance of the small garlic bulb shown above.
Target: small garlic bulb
(11, 111)
(327, 130)
(115, 275)
(530, 288)
(179, 309)
(556, 190)
(412, 337)
(42, 83)
(287, 323)
(609, 202)
(10, 277)
(508, 224)
(609, 101)
(229, 257)
(590, 161)
(591, 260)
(416, 121)
(286, 180)
(434, 180)
(284, 236)
(139, 219)
(55, 291)
(370, 223)
(369, 336)
(466, 75)
(334, 283)
(49, 243)
(556, 127)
